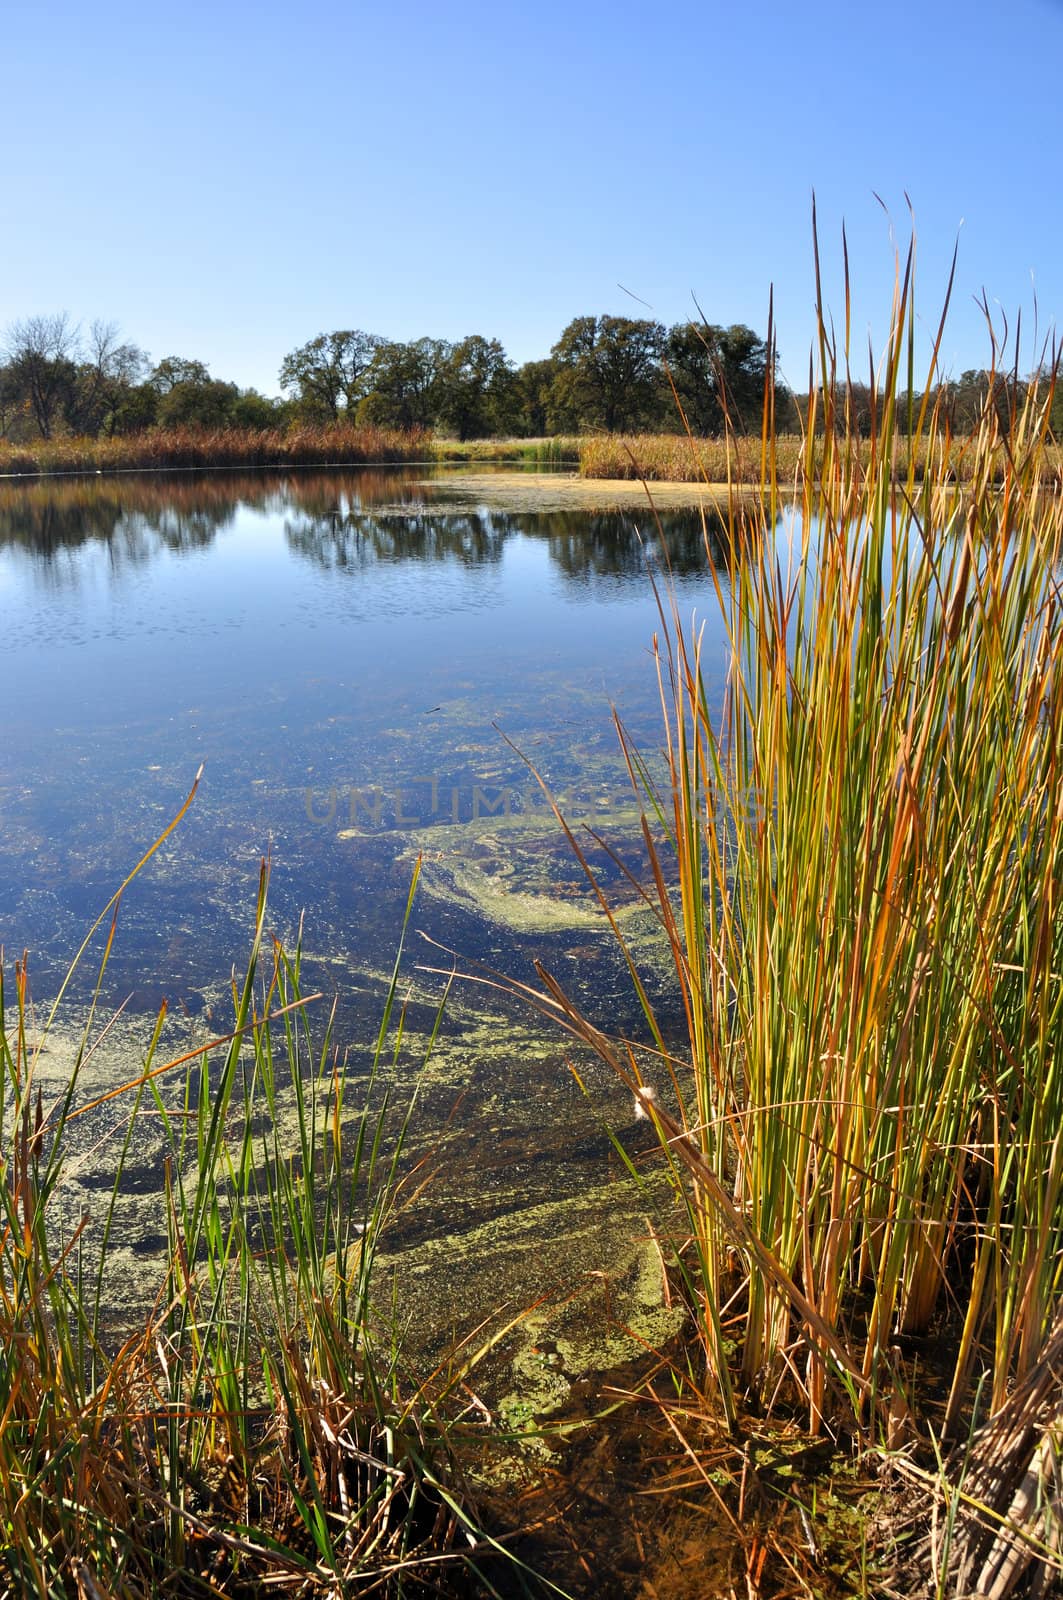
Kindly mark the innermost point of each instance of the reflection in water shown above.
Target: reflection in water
(170, 511)
(600, 545)
(583, 544)
(356, 539)
(341, 521)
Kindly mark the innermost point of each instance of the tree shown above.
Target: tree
(255, 411)
(173, 370)
(137, 410)
(405, 384)
(536, 412)
(609, 371)
(106, 374)
(476, 389)
(41, 352)
(198, 405)
(330, 372)
(12, 400)
(718, 375)
(1049, 385)
(976, 395)
(859, 405)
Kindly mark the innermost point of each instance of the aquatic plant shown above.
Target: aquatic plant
(253, 1427)
(857, 863)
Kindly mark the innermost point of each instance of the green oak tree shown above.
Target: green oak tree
(477, 389)
(718, 374)
(609, 372)
(330, 375)
(405, 383)
(172, 370)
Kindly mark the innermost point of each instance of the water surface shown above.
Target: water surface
(343, 654)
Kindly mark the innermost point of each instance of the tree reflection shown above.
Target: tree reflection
(174, 512)
(589, 545)
(586, 546)
(356, 539)
(346, 521)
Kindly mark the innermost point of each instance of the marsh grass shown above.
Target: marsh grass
(679, 458)
(256, 1426)
(653, 458)
(857, 863)
(159, 449)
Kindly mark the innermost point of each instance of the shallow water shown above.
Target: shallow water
(343, 653)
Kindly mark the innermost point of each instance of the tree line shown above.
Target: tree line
(962, 403)
(616, 374)
(620, 374)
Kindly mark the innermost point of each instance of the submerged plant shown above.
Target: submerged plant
(252, 1427)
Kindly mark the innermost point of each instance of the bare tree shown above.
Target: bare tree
(108, 370)
(42, 354)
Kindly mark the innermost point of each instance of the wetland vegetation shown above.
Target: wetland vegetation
(797, 914)
(620, 397)
(857, 866)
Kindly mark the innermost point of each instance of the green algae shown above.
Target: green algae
(589, 1271)
(612, 1321)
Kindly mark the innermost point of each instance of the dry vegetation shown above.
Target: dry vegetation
(161, 449)
(648, 457)
(675, 458)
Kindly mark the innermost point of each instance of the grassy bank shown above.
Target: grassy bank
(160, 449)
(653, 458)
(563, 450)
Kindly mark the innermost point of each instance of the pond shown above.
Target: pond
(368, 666)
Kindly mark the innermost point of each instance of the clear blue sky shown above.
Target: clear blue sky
(226, 180)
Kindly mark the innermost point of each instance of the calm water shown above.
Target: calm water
(343, 653)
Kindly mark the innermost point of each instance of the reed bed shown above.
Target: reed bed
(653, 458)
(679, 458)
(158, 449)
(857, 863)
(253, 1433)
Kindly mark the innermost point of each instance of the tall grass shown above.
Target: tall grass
(677, 458)
(250, 1429)
(857, 862)
(666, 457)
(157, 449)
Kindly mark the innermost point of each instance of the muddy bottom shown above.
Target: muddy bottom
(637, 1505)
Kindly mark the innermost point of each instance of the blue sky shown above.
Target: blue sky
(227, 180)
